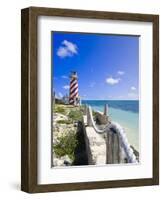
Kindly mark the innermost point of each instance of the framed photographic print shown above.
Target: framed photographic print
(90, 100)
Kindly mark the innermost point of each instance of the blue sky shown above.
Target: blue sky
(107, 65)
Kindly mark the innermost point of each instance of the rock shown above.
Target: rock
(59, 116)
(67, 160)
(62, 129)
(63, 161)
(101, 118)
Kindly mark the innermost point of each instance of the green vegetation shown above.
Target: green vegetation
(94, 113)
(75, 115)
(66, 145)
(64, 121)
(66, 138)
(82, 108)
(59, 109)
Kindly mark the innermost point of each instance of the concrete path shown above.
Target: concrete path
(96, 146)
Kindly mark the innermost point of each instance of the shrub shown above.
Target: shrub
(82, 108)
(64, 121)
(75, 115)
(94, 113)
(59, 109)
(66, 145)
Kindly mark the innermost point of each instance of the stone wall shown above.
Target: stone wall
(95, 146)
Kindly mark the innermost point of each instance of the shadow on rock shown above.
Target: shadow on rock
(80, 151)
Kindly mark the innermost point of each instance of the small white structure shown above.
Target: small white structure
(65, 99)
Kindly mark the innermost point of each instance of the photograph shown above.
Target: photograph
(90, 99)
(95, 99)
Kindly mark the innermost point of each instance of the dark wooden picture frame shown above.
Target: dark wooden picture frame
(29, 87)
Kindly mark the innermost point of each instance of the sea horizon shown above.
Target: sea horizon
(110, 99)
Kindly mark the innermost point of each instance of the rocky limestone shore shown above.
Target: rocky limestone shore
(65, 120)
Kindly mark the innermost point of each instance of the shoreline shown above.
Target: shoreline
(134, 108)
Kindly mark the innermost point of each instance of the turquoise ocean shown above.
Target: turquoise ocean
(124, 112)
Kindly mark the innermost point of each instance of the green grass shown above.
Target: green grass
(67, 142)
(64, 121)
(94, 113)
(75, 115)
(66, 145)
(82, 108)
(59, 109)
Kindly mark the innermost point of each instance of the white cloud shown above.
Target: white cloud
(63, 52)
(67, 49)
(112, 81)
(133, 88)
(65, 77)
(66, 87)
(121, 72)
(70, 46)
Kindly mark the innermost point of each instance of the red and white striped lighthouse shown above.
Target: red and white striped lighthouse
(74, 95)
